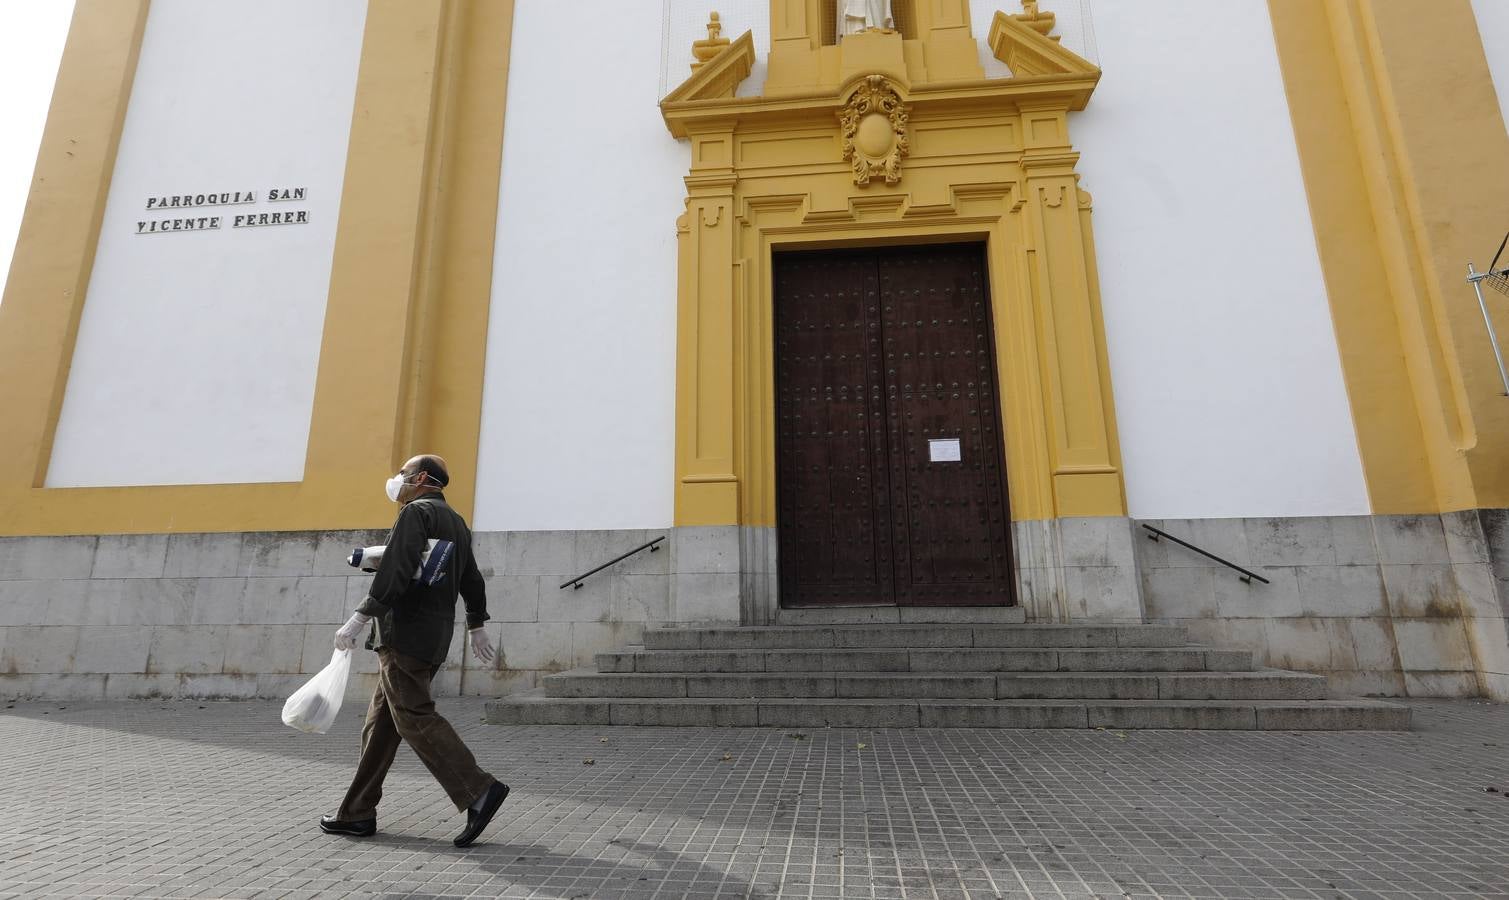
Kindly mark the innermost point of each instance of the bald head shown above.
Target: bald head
(432, 466)
(424, 474)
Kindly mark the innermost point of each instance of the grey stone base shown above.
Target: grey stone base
(254, 614)
(1078, 569)
(1382, 605)
(1386, 605)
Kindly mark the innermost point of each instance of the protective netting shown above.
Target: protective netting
(686, 21)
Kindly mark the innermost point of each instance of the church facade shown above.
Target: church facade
(878, 311)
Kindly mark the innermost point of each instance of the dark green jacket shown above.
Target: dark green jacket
(414, 618)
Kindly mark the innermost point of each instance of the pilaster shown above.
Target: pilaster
(1086, 473)
(1401, 146)
(706, 484)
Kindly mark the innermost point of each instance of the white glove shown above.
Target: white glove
(482, 645)
(345, 639)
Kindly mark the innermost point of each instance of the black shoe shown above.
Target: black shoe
(358, 828)
(476, 821)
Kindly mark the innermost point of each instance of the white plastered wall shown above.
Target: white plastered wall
(578, 410)
(197, 351)
(1229, 391)
(1493, 28)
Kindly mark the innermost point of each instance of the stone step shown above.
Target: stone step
(1260, 684)
(1266, 684)
(535, 708)
(880, 614)
(815, 637)
(1015, 659)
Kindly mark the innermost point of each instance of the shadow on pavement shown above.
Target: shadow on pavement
(538, 867)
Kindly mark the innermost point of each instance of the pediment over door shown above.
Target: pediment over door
(1044, 72)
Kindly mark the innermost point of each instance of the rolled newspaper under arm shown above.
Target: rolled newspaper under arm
(432, 560)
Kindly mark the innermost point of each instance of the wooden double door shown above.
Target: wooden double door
(891, 481)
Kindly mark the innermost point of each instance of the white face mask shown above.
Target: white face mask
(395, 485)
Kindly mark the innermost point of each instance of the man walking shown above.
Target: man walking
(414, 609)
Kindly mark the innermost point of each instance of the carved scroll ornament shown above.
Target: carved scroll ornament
(874, 126)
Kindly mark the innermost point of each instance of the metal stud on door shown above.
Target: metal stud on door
(947, 468)
(831, 468)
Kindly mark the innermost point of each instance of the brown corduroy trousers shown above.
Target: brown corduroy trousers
(402, 710)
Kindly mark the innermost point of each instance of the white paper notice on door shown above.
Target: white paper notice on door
(943, 450)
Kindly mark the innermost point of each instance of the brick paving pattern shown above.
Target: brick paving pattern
(204, 799)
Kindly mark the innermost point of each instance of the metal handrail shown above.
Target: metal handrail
(577, 581)
(1246, 575)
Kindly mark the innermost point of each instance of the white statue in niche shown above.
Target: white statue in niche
(855, 16)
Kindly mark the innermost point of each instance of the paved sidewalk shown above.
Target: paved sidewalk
(197, 799)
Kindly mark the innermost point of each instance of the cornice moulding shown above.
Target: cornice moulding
(1029, 53)
(1068, 90)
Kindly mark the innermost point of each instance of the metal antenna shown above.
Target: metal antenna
(1498, 279)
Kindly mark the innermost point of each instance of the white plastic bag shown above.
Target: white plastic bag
(312, 708)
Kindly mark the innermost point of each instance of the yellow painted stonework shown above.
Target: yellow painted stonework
(942, 49)
(413, 248)
(984, 160)
(1403, 152)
